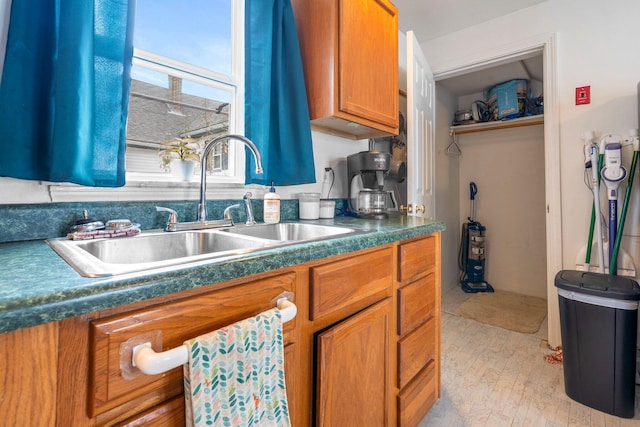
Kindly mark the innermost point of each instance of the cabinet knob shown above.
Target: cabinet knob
(420, 209)
(406, 209)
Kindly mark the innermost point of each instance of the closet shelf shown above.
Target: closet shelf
(496, 125)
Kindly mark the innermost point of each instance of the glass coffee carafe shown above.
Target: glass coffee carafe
(372, 201)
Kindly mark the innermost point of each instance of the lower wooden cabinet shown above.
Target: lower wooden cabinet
(115, 382)
(352, 385)
(418, 328)
(28, 376)
(415, 400)
(364, 349)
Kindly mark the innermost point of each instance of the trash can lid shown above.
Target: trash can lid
(601, 285)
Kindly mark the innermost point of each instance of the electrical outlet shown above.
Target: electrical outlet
(583, 95)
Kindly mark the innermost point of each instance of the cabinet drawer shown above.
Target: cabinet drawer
(415, 351)
(415, 401)
(415, 258)
(350, 285)
(416, 303)
(114, 382)
(170, 413)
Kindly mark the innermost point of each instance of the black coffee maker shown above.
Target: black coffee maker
(366, 172)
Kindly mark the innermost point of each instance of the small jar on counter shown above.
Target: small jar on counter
(309, 204)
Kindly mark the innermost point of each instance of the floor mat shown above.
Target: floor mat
(508, 310)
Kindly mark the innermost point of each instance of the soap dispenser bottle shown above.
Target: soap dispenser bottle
(271, 212)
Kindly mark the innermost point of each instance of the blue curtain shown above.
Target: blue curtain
(65, 91)
(276, 110)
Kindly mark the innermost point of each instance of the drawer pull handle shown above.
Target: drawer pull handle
(152, 363)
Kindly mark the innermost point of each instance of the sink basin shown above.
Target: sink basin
(159, 249)
(149, 250)
(163, 246)
(290, 231)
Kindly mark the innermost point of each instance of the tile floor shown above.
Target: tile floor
(494, 377)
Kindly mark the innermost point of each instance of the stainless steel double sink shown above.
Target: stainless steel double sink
(157, 249)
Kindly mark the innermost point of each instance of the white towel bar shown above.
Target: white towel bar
(151, 363)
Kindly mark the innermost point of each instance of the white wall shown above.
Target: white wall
(597, 46)
(508, 169)
(447, 188)
(328, 151)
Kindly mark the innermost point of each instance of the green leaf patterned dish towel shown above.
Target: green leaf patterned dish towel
(235, 375)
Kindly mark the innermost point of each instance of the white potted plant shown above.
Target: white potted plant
(180, 156)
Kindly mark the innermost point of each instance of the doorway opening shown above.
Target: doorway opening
(450, 202)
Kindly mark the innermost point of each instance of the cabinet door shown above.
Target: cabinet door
(353, 383)
(28, 359)
(368, 60)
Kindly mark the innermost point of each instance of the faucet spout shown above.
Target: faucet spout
(210, 145)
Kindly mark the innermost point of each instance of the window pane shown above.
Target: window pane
(182, 90)
(197, 32)
(164, 107)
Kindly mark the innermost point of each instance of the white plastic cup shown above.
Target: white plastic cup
(327, 208)
(309, 204)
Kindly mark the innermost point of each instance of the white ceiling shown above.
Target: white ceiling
(430, 19)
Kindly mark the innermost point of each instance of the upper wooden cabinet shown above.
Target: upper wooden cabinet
(350, 57)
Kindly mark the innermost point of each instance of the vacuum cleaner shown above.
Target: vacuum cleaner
(603, 162)
(471, 257)
(613, 173)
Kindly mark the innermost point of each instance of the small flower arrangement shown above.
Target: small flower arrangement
(179, 149)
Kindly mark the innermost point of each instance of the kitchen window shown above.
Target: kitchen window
(186, 83)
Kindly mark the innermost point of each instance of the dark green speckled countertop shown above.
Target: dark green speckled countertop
(37, 286)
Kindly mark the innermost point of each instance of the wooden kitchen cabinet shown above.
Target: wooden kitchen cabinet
(352, 311)
(353, 370)
(117, 387)
(349, 54)
(364, 348)
(418, 294)
(28, 376)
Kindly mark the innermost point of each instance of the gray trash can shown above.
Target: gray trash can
(599, 322)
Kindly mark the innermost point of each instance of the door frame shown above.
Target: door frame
(547, 43)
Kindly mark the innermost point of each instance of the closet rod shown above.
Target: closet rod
(152, 363)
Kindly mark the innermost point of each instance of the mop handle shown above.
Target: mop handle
(593, 213)
(596, 203)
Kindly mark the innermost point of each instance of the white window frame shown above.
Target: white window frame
(232, 84)
(151, 186)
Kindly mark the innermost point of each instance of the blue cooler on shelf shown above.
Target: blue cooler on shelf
(599, 323)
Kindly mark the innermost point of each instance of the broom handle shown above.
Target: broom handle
(593, 215)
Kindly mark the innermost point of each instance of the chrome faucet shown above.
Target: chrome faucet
(201, 223)
(210, 145)
(247, 209)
